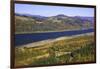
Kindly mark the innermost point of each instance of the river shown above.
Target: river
(21, 39)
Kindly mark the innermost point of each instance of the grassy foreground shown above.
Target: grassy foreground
(78, 49)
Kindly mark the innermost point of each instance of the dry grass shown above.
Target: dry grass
(82, 48)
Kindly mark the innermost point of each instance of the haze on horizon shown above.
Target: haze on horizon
(48, 10)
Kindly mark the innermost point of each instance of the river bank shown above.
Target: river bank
(56, 51)
(40, 43)
(50, 31)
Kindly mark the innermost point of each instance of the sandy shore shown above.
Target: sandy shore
(39, 43)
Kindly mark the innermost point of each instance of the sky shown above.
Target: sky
(46, 10)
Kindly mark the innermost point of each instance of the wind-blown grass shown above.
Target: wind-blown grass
(78, 49)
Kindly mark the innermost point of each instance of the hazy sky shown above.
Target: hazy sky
(46, 10)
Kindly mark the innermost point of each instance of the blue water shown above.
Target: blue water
(21, 39)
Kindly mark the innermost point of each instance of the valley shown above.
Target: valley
(58, 39)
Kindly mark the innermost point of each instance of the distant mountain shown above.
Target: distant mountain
(34, 23)
(91, 19)
(61, 16)
(37, 17)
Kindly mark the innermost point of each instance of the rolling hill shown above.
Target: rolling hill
(36, 23)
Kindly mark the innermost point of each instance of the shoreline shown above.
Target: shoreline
(49, 31)
(43, 42)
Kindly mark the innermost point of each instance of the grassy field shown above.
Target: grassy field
(78, 49)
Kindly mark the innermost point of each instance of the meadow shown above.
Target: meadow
(80, 49)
